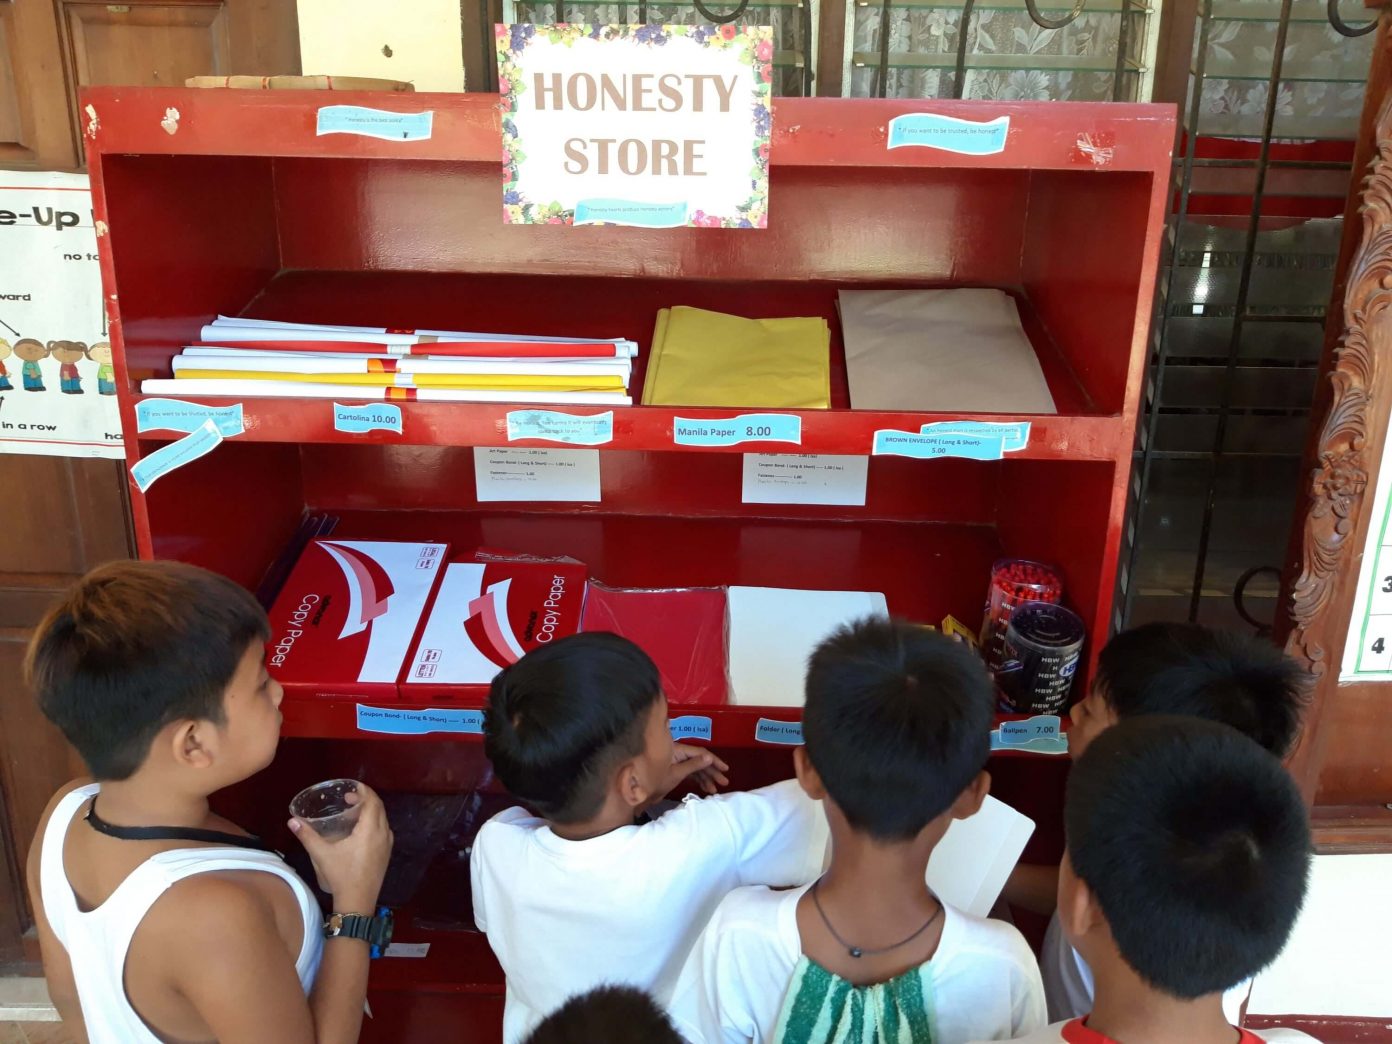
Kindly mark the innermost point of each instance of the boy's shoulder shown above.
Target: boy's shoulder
(985, 938)
(757, 918)
(36, 848)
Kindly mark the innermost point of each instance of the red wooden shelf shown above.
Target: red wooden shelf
(243, 210)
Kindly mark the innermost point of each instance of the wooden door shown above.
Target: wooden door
(34, 121)
(59, 517)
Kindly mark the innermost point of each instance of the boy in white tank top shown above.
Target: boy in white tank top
(157, 919)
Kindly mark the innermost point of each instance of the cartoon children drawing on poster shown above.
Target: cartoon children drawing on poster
(67, 353)
(106, 373)
(5, 352)
(31, 351)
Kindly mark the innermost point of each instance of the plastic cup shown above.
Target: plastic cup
(325, 807)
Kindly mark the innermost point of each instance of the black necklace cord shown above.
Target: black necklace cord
(857, 951)
(171, 833)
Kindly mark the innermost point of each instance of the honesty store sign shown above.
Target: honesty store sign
(657, 126)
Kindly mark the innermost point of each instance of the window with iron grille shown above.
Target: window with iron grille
(1003, 49)
(792, 22)
(1261, 178)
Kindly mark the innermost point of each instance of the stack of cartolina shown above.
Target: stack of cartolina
(253, 357)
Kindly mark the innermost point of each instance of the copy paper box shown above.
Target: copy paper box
(345, 618)
(487, 614)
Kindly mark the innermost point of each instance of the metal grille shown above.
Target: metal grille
(1260, 181)
(792, 22)
(1079, 50)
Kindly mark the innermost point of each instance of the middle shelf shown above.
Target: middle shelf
(1087, 426)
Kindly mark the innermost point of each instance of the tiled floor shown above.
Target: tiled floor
(33, 1033)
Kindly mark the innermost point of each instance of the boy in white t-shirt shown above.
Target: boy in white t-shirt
(583, 893)
(1164, 668)
(896, 728)
(1187, 860)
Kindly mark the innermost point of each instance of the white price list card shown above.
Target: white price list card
(519, 475)
(805, 478)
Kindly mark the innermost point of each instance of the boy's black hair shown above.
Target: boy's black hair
(562, 717)
(1195, 843)
(897, 723)
(1182, 668)
(608, 1015)
(134, 646)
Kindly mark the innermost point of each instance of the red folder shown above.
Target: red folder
(682, 629)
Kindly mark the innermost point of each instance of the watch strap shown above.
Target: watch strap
(375, 930)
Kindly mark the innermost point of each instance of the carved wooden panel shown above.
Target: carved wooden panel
(1354, 405)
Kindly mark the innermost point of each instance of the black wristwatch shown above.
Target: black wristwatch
(376, 931)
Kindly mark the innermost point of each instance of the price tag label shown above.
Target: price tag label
(1013, 436)
(780, 733)
(690, 726)
(552, 426)
(373, 416)
(936, 445)
(395, 721)
(1042, 734)
(748, 427)
(1041, 725)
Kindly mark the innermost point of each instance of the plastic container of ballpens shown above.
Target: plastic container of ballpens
(1043, 647)
(1014, 581)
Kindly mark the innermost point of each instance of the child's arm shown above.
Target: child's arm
(780, 835)
(724, 990)
(250, 958)
(1032, 887)
(351, 871)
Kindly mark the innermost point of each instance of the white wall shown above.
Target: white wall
(347, 38)
(1339, 958)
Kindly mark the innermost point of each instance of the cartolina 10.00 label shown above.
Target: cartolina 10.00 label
(1043, 645)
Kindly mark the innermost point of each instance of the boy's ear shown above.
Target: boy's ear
(191, 743)
(968, 802)
(807, 776)
(1079, 914)
(628, 780)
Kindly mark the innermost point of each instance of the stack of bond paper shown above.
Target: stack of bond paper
(254, 357)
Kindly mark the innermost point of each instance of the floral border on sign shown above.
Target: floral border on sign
(751, 44)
